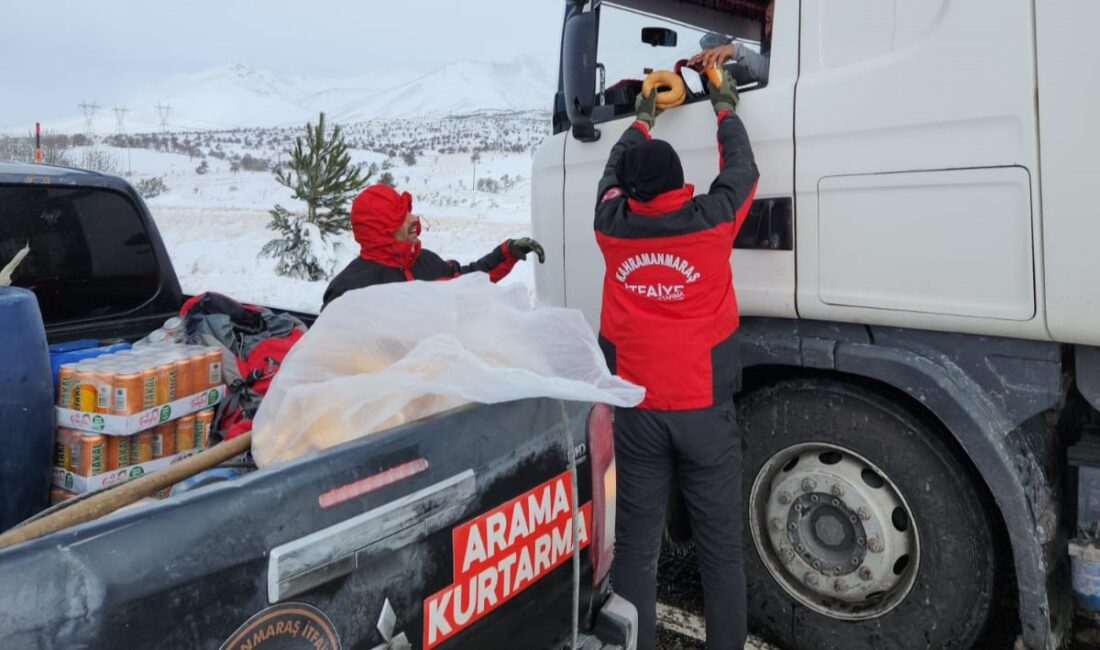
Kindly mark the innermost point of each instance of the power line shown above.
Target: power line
(120, 116)
(89, 111)
(164, 110)
(120, 128)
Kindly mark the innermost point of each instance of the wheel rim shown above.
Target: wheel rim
(834, 531)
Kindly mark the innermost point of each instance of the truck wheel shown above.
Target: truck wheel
(864, 530)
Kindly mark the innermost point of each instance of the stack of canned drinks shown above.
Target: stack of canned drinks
(131, 381)
(128, 382)
(89, 454)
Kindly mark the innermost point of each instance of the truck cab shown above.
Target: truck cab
(914, 281)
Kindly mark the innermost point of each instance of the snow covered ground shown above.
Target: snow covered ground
(215, 223)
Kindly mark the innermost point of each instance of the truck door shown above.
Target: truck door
(917, 166)
(763, 261)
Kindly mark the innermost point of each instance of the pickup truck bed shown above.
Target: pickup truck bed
(187, 572)
(445, 532)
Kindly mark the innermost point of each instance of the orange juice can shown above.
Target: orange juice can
(185, 384)
(127, 398)
(213, 358)
(204, 422)
(196, 362)
(173, 378)
(89, 454)
(104, 388)
(200, 367)
(164, 374)
(164, 440)
(69, 438)
(67, 387)
(61, 451)
(118, 452)
(148, 386)
(185, 433)
(87, 396)
(141, 447)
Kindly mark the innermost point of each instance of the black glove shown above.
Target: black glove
(724, 96)
(646, 108)
(519, 248)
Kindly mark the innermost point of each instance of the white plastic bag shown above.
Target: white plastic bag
(387, 354)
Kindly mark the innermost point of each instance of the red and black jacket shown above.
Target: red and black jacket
(376, 213)
(669, 309)
(427, 266)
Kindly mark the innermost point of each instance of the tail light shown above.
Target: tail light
(601, 443)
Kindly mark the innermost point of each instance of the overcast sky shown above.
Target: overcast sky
(57, 53)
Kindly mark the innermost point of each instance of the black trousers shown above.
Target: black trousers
(699, 453)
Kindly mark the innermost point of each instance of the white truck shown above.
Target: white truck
(919, 282)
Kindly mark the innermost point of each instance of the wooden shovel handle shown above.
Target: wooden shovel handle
(99, 505)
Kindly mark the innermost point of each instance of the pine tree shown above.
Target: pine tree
(294, 250)
(320, 174)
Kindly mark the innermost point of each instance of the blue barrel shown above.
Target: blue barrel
(26, 408)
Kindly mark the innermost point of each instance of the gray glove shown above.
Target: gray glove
(519, 248)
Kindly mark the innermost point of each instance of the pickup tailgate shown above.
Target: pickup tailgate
(449, 531)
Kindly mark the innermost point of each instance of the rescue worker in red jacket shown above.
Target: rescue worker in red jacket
(388, 234)
(668, 322)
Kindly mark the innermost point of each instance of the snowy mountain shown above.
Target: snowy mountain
(240, 95)
(522, 84)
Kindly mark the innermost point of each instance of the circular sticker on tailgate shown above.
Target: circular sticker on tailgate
(286, 626)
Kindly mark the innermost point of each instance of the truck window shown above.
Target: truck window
(624, 58)
(90, 253)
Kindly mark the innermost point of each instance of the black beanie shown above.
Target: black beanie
(648, 169)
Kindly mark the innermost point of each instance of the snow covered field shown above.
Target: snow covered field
(422, 129)
(215, 223)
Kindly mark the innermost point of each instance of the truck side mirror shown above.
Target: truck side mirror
(659, 36)
(579, 74)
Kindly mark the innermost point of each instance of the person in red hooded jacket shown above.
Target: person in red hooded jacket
(388, 234)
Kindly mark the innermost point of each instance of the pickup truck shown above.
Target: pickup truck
(377, 543)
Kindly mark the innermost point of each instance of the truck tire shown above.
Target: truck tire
(865, 530)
